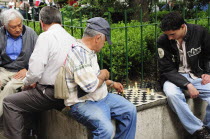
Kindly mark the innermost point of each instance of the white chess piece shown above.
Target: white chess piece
(152, 92)
(129, 87)
(136, 87)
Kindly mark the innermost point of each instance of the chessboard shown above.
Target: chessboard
(140, 96)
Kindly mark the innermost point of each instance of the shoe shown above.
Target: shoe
(202, 133)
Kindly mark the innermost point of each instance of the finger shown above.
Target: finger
(17, 77)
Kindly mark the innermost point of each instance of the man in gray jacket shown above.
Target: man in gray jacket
(17, 42)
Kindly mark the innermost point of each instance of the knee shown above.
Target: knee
(132, 109)
(105, 130)
(170, 89)
(6, 100)
(11, 87)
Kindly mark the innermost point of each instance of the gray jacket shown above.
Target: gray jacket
(29, 40)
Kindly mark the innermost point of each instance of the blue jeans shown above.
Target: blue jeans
(97, 115)
(176, 100)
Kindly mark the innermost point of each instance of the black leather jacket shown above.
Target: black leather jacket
(198, 55)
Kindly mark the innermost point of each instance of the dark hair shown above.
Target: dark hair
(49, 15)
(172, 21)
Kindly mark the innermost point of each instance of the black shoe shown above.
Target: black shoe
(202, 133)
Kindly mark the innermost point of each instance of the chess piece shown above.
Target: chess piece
(148, 91)
(152, 94)
(123, 94)
(136, 87)
(129, 87)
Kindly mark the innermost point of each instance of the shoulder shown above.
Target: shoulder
(195, 28)
(2, 30)
(78, 53)
(78, 49)
(29, 30)
(163, 39)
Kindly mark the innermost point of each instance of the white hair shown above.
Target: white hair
(8, 15)
(91, 33)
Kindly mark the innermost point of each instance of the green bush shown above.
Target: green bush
(138, 54)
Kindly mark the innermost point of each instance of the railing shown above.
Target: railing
(132, 56)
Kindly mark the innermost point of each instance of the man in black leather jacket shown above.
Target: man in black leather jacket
(184, 63)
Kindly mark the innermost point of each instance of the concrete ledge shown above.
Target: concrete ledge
(154, 121)
(56, 125)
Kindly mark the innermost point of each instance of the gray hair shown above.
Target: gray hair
(49, 15)
(8, 15)
(91, 33)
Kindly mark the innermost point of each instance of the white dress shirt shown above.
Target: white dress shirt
(48, 56)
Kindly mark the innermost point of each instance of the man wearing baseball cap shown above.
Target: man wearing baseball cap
(89, 100)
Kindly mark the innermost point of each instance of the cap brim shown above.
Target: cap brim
(108, 39)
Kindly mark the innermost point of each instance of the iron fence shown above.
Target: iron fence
(132, 56)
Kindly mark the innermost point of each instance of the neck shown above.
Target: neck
(47, 26)
(87, 41)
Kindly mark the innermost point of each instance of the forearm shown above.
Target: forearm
(109, 83)
(103, 76)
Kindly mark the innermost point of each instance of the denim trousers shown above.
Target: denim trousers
(177, 102)
(97, 115)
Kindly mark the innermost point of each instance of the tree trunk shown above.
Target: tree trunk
(138, 4)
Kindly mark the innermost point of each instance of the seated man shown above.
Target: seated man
(17, 42)
(48, 56)
(184, 62)
(93, 106)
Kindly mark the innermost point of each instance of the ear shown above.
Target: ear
(183, 25)
(97, 38)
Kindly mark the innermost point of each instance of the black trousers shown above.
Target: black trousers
(18, 107)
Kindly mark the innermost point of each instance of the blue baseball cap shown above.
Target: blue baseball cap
(101, 25)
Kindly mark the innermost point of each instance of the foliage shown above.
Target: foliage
(102, 8)
(140, 53)
(159, 15)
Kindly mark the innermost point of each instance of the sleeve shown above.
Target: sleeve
(167, 66)
(38, 60)
(84, 74)
(33, 39)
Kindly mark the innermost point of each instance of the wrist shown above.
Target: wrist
(112, 83)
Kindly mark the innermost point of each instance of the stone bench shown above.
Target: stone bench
(154, 121)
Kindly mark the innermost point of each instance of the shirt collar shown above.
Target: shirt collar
(85, 47)
(54, 26)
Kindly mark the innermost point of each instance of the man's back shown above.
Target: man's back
(51, 49)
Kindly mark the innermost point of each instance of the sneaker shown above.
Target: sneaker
(202, 133)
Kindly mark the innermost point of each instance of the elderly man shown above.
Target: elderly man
(48, 56)
(17, 42)
(94, 106)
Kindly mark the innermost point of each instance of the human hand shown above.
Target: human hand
(105, 73)
(21, 74)
(193, 92)
(118, 87)
(205, 79)
(27, 87)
